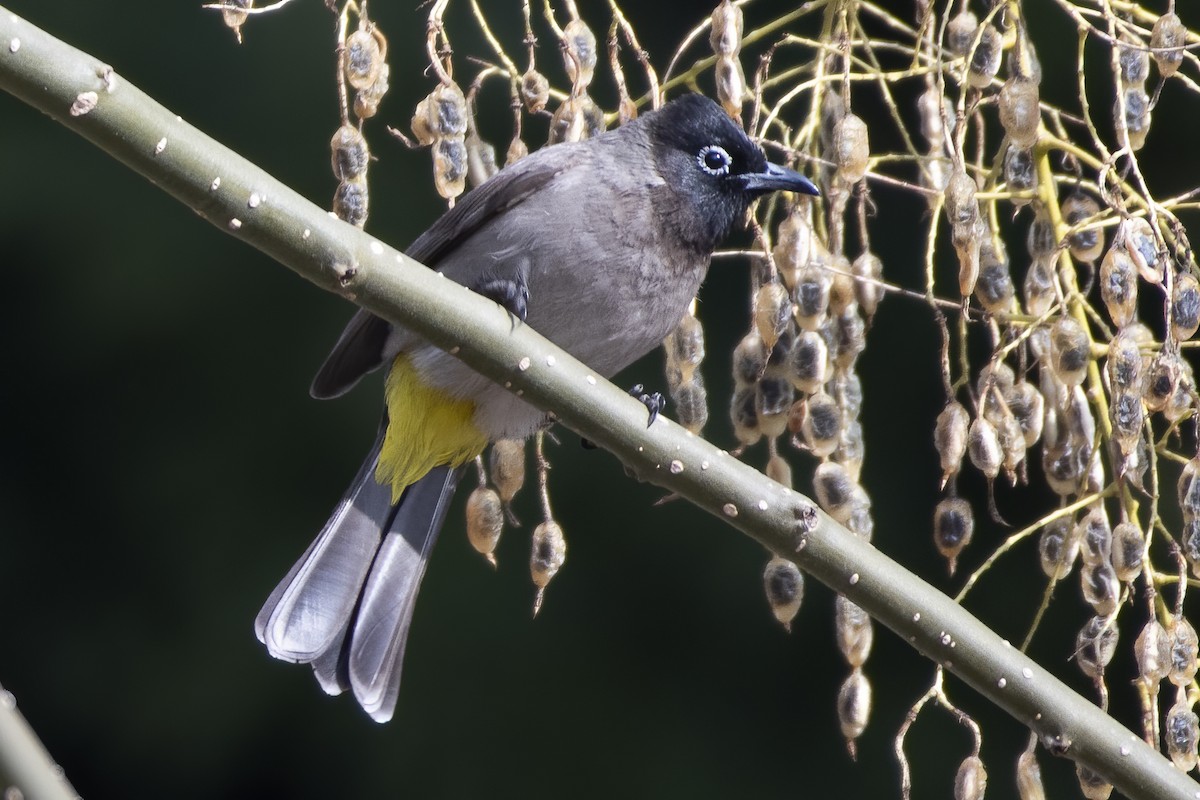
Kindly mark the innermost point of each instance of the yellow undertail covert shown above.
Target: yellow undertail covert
(426, 428)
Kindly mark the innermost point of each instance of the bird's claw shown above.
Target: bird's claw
(512, 295)
(653, 401)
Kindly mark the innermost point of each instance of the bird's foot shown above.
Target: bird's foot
(653, 401)
(512, 295)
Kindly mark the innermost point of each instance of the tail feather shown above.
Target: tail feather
(346, 605)
(375, 647)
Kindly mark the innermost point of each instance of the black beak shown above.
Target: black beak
(776, 178)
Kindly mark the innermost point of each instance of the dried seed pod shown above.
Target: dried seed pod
(1029, 774)
(731, 85)
(507, 467)
(743, 412)
(749, 358)
(1189, 542)
(779, 470)
(1012, 445)
(970, 781)
(351, 201)
(850, 338)
(685, 345)
(350, 156)
(808, 362)
(725, 36)
(1028, 406)
(546, 557)
(1136, 121)
(1095, 645)
(1185, 307)
(960, 32)
(1133, 60)
(851, 449)
(985, 61)
(1152, 650)
(1182, 648)
(834, 490)
(1167, 37)
(1058, 547)
(1040, 239)
(1020, 113)
(1137, 238)
(234, 17)
(1181, 733)
(366, 101)
(851, 149)
(365, 52)
(1092, 784)
(485, 522)
(855, 631)
(861, 523)
(794, 243)
(1039, 288)
(1085, 245)
(1070, 351)
(935, 121)
(579, 53)
(447, 111)
(576, 118)
(822, 424)
(772, 402)
(772, 313)
(1183, 401)
(868, 288)
(950, 438)
(1188, 489)
(1161, 381)
(784, 585)
(1095, 537)
(854, 707)
(1101, 589)
(450, 167)
(847, 389)
(841, 287)
(994, 287)
(962, 211)
(983, 445)
(953, 525)
(534, 91)
(691, 404)
(1118, 286)
(1127, 415)
(813, 284)
(1128, 548)
(1124, 365)
(1020, 173)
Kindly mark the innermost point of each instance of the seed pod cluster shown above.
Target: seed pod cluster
(725, 38)
(1167, 38)
(350, 159)
(1095, 646)
(953, 526)
(684, 349)
(970, 782)
(1188, 491)
(967, 228)
(1181, 732)
(485, 521)
(854, 708)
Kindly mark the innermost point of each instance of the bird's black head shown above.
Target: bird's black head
(712, 167)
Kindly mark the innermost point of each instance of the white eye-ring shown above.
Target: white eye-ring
(714, 159)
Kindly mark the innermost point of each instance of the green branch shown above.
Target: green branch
(247, 203)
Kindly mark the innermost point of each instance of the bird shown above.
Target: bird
(600, 246)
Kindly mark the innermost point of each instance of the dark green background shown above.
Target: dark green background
(161, 466)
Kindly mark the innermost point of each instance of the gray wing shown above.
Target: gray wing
(363, 345)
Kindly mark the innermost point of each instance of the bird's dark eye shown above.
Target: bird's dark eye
(714, 159)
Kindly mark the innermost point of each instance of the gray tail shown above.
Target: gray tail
(346, 605)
